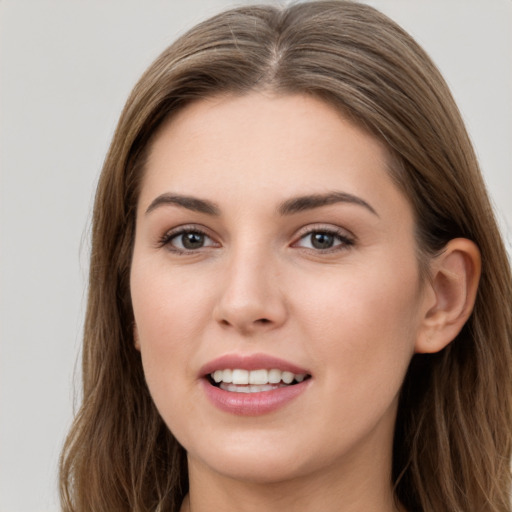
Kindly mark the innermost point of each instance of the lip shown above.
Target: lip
(251, 404)
(250, 362)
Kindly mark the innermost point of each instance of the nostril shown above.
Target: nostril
(263, 321)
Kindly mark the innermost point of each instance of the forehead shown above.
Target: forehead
(276, 120)
(264, 145)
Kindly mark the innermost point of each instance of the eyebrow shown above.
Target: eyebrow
(188, 202)
(309, 202)
(288, 207)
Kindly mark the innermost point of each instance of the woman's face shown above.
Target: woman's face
(272, 245)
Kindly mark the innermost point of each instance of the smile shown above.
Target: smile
(251, 385)
(254, 381)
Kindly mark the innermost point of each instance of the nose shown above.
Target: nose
(251, 299)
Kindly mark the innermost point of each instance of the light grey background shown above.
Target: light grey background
(66, 68)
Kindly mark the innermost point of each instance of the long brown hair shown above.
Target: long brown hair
(453, 436)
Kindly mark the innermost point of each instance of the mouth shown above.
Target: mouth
(253, 385)
(237, 380)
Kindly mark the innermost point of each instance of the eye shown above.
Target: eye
(324, 240)
(187, 240)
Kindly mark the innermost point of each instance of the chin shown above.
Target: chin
(258, 468)
(260, 456)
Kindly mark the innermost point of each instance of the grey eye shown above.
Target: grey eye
(324, 240)
(321, 240)
(192, 240)
(189, 240)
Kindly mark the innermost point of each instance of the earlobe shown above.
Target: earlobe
(455, 274)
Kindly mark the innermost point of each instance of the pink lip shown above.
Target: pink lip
(249, 362)
(251, 404)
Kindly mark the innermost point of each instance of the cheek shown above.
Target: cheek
(364, 320)
(168, 322)
(169, 332)
(166, 302)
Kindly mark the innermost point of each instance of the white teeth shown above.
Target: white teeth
(255, 378)
(266, 387)
(274, 376)
(248, 389)
(240, 377)
(258, 377)
(287, 377)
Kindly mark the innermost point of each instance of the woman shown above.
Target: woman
(299, 298)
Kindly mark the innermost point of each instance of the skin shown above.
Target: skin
(352, 315)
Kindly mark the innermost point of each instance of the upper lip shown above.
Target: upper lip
(250, 362)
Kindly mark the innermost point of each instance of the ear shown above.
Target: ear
(136, 341)
(451, 293)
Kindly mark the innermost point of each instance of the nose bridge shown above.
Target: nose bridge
(251, 297)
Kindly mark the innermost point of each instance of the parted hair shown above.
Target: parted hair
(452, 442)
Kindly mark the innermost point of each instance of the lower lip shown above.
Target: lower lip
(252, 404)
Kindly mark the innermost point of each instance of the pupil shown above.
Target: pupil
(192, 240)
(322, 240)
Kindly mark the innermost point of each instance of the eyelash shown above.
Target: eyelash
(344, 241)
(167, 238)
